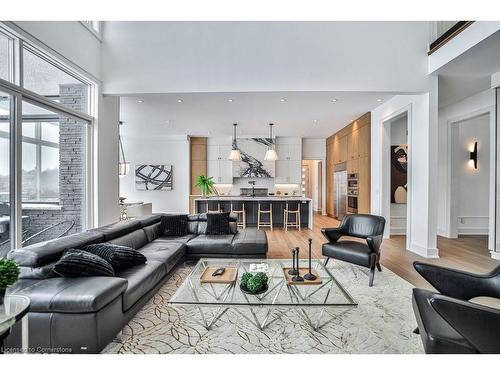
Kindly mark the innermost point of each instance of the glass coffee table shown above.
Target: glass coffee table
(311, 302)
(14, 309)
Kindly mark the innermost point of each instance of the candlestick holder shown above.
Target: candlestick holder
(309, 275)
(293, 271)
(297, 277)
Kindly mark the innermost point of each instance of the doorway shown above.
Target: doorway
(312, 183)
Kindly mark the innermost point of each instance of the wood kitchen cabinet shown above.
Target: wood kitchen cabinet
(351, 144)
(364, 141)
(364, 185)
(342, 147)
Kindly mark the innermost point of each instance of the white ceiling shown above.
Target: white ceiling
(166, 57)
(471, 72)
(303, 114)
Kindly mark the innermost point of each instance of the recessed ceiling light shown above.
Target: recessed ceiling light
(335, 100)
(140, 101)
(315, 121)
(179, 100)
(283, 100)
(230, 100)
(380, 100)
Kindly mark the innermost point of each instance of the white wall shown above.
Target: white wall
(483, 102)
(106, 163)
(70, 39)
(141, 149)
(264, 56)
(398, 128)
(472, 185)
(422, 171)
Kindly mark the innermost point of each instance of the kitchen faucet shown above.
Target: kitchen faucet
(252, 182)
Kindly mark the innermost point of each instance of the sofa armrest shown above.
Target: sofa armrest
(332, 234)
(479, 325)
(460, 284)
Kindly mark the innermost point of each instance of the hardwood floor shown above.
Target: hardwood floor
(469, 253)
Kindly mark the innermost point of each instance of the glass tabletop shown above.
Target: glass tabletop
(12, 310)
(328, 292)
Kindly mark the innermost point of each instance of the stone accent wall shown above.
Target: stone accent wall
(72, 163)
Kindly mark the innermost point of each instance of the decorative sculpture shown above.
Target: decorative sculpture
(309, 275)
(297, 277)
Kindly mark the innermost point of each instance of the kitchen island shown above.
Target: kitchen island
(251, 207)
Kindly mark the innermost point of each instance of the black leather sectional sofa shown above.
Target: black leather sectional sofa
(84, 314)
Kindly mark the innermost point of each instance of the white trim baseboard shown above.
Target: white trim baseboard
(495, 255)
(423, 251)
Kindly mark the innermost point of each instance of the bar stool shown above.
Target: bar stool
(238, 207)
(292, 208)
(265, 208)
(213, 207)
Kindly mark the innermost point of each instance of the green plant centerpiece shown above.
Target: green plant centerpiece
(9, 273)
(206, 185)
(254, 284)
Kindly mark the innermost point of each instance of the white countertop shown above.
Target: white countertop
(243, 198)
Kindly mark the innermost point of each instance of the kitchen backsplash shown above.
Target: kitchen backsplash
(267, 183)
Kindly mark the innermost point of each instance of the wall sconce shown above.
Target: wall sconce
(473, 155)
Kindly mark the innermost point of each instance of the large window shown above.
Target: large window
(51, 137)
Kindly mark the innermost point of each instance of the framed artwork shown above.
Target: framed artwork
(399, 173)
(153, 177)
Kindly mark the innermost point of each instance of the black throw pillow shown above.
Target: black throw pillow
(174, 225)
(218, 223)
(120, 257)
(76, 262)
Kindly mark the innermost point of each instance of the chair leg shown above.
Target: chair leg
(271, 218)
(372, 275)
(378, 267)
(298, 218)
(326, 261)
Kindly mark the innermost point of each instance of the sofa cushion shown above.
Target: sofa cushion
(210, 244)
(70, 295)
(167, 252)
(148, 220)
(250, 241)
(437, 335)
(174, 225)
(41, 253)
(349, 251)
(135, 239)
(77, 263)
(120, 257)
(118, 229)
(193, 224)
(218, 223)
(141, 279)
(152, 231)
(181, 239)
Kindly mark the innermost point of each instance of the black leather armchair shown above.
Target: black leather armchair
(368, 227)
(447, 321)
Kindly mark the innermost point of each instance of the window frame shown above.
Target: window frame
(89, 25)
(14, 88)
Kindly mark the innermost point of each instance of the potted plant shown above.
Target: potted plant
(9, 273)
(206, 185)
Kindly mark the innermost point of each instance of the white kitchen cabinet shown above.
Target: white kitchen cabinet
(289, 163)
(218, 165)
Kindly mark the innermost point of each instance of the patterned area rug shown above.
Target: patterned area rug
(382, 323)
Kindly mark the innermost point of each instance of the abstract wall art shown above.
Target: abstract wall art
(252, 164)
(153, 177)
(399, 175)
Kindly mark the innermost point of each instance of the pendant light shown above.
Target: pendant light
(235, 152)
(271, 154)
(123, 166)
